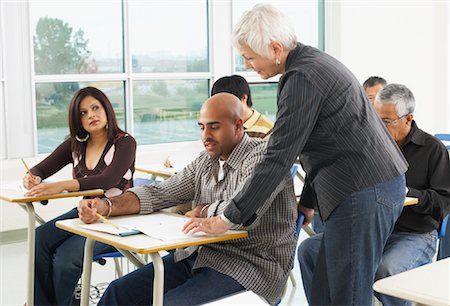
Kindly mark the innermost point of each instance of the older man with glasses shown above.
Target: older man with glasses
(413, 241)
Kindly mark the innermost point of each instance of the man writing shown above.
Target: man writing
(260, 263)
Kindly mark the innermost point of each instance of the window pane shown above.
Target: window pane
(169, 36)
(304, 15)
(52, 109)
(264, 97)
(167, 110)
(72, 37)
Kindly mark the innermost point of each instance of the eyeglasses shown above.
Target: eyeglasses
(390, 121)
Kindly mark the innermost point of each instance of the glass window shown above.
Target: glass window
(167, 110)
(264, 97)
(71, 37)
(304, 15)
(169, 36)
(52, 109)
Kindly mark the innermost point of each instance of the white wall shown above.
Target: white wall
(405, 42)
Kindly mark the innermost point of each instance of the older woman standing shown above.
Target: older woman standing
(355, 171)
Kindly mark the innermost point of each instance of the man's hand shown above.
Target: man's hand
(308, 212)
(213, 225)
(88, 208)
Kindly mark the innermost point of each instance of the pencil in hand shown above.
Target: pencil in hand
(28, 169)
(106, 220)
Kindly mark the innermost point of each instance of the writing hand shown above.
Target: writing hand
(87, 209)
(29, 181)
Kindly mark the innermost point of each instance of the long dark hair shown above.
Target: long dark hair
(75, 126)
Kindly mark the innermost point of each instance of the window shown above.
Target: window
(156, 61)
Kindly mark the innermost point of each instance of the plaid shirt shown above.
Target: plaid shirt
(262, 261)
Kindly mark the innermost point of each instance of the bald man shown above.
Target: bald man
(260, 263)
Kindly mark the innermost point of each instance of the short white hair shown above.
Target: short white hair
(261, 26)
(398, 95)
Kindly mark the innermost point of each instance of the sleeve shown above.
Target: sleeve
(248, 167)
(178, 189)
(57, 160)
(437, 195)
(299, 104)
(123, 160)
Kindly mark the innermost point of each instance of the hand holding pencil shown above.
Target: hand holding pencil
(30, 180)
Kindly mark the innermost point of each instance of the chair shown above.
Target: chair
(445, 138)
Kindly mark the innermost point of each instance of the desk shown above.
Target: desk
(141, 244)
(411, 201)
(16, 196)
(426, 285)
(156, 170)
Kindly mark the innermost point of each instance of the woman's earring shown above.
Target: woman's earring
(82, 139)
(277, 61)
(107, 125)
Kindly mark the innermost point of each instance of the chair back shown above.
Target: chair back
(443, 227)
(445, 138)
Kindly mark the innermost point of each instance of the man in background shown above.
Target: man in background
(372, 86)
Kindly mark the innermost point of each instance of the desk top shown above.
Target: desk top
(144, 244)
(428, 284)
(156, 169)
(411, 201)
(16, 196)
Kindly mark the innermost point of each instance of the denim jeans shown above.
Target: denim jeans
(404, 251)
(59, 261)
(182, 285)
(338, 266)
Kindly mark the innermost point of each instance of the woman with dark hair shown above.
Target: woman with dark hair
(103, 157)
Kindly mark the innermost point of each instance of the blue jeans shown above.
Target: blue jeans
(59, 261)
(182, 285)
(404, 251)
(338, 266)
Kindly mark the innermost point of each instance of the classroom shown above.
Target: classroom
(152, 74)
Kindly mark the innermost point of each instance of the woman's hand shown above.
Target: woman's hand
(29, 181)
(213, 225)
(87, 209)
(44, 189)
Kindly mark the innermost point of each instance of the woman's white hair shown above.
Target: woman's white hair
(261, 26)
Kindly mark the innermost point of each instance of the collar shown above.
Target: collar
(416, 135)
(238, 153)
(252, 120)
(294, 53)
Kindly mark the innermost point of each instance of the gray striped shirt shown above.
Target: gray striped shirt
(262, 261)
(324, 118)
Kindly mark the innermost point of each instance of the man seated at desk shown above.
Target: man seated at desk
(413, 241)
(260, 263)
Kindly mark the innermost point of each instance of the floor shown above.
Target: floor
(13, 279)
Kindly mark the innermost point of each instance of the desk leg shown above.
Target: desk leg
(158, 280)
(86, 276)
(31, 253)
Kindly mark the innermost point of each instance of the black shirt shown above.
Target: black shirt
(428, 179)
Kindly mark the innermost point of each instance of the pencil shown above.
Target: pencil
(28, 169)
(106, 220)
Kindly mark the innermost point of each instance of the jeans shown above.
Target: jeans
(182, 285)
(404, 251)
(59, 261)
(338, 266)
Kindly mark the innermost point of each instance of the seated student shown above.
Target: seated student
(255, 124)
(413, 241)
(372, 86)
(260, 263)
(103, 157)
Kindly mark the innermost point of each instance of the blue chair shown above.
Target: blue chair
(445, 138)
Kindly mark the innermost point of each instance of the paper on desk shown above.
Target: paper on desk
(158, 225)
